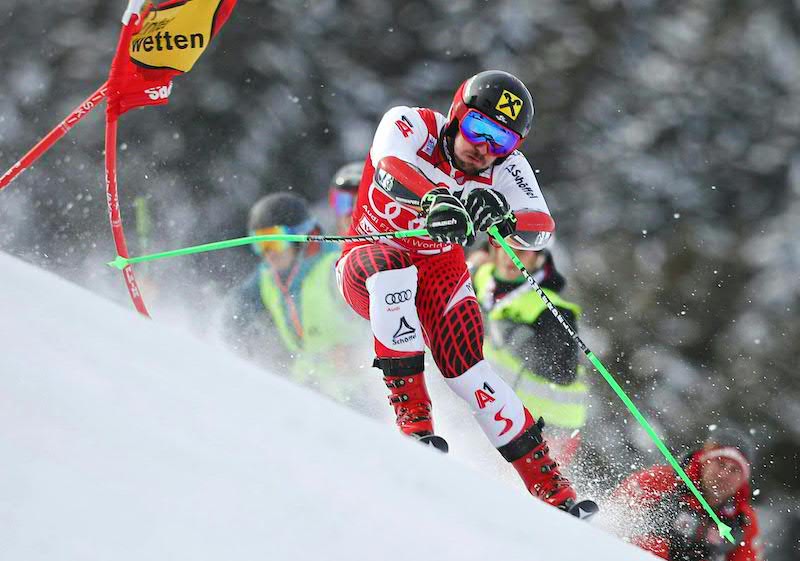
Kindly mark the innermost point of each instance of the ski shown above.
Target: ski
(584, 509)
(434, 441)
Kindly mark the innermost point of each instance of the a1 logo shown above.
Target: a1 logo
(484, 398)
(159, 93)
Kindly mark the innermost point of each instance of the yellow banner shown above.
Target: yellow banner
(176, 36)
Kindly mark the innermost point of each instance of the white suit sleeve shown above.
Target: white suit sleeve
(517, 182)
(401, 133)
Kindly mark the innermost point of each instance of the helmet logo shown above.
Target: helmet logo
(509, 104)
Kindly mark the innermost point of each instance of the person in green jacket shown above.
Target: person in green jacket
(287, 314)
(528, 347)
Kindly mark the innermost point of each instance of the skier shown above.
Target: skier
(528, 347)
(683, 530)
(453, 175)
(342, 194)
(292, 297)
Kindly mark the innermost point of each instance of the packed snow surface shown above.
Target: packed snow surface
(125, 439)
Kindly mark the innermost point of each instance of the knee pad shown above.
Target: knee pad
(393, 310)
(498, 410)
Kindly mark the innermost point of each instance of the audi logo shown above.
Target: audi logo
(398, 297)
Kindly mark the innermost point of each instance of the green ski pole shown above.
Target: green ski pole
(120, 262)
(724, 530)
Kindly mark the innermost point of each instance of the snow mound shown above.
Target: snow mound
(124, 439)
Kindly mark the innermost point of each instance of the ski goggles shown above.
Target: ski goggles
(279, 246)
(528, 241)
(477, 128)
(342, 201)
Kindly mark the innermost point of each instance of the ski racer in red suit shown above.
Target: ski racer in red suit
(453, 175)
(681, 530)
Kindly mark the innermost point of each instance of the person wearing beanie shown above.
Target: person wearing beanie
(528, 347)
(679, 529)
(343, 193)
(287, 314)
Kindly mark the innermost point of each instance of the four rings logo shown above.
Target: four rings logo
(398, 297)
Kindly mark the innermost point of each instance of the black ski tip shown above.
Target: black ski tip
(435, 441)
(584, 509)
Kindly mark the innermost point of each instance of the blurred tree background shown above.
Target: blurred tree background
(666, 139)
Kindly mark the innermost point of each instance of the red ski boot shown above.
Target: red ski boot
(530, 456)
(405, 379)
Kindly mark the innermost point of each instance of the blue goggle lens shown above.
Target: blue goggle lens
(342, 201)
(477, 128)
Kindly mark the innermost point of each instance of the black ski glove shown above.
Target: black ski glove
(446, 219)
(489, 208)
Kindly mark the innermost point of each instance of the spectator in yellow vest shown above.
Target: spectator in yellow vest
(528, 347)
(288, 314)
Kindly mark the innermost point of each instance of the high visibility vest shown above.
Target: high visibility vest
(327, 325)
(561, 405)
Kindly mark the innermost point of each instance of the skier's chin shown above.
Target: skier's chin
(469, 168)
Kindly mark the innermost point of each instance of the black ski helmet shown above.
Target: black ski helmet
(348, 177)
(281, 209)
(500, 96)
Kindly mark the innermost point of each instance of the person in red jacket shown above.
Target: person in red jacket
(680, 528)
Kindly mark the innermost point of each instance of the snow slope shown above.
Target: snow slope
(124, 439)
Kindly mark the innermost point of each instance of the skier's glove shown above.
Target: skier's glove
(489, 208)
(446, 219)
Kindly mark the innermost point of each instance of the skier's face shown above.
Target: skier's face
(504, 268)
(342, 201)
(280, 260)
(721, 478)
(471, 158)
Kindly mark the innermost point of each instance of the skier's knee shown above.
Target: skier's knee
(459, 340)
(393, 310)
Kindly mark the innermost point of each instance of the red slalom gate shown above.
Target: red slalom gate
(54, 135)
(114, 214)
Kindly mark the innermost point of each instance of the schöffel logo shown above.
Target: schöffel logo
(519, 179)
(398, 297)
(404, 334)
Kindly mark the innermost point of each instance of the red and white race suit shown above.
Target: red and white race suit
(412, 135)
(417, 291)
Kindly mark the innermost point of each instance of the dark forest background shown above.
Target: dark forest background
(666, 140)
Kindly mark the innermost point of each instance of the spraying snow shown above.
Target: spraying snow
(121, 438)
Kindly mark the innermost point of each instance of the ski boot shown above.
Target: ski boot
(530, 456)
(409, 397)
